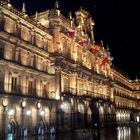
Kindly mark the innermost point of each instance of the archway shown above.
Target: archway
(89, 115)
(101, 115)
(137, 117)
(65, 118)
(81, 116)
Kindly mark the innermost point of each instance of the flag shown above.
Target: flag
(71, 34)
(104, 61)
(84, 42)
(81, 42)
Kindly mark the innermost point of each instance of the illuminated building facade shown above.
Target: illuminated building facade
(53, 74)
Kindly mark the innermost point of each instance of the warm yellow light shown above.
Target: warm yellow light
(5, 102)
(23, 104)
(38, 105)
(42, 113)
(11, 112)
(57, 97)
(62, 106)
(28, 113)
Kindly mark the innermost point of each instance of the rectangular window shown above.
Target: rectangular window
(1, 52)
(31, 88)
(14, 83)
(45, 90)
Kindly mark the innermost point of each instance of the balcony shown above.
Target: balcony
(1, 87)
(23, 91)
(69, 90)
(22, 15)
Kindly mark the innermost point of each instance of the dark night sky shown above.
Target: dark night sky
(116, 23)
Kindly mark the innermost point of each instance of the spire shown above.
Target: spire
(91, 21)
(70, 18)
(23, 8)
(107, 48)
(136, 79)
(9, 5)
(56, 6)
(70, 15)
(102, 44)
(36, 16)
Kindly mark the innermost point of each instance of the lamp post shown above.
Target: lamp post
(23, 105)
(5, 103)
(38, 105)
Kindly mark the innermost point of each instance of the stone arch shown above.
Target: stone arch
(101, 114)
(89, 114)
(53, 115)
(81, 115)
(27, 119)
(137, 117)
(118, 116)
(47, 114)
(18, 114)
(101, 109)
(65, 115)
(34, 115)
(109, 110)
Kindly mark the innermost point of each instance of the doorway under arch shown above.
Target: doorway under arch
(65, 116)
(81, 116)
(101, 115)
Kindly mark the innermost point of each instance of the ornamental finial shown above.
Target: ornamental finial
(36, 16)
(23, 8)
(136, 79)
(70, 15)
(56, 6)
(107, 48)
(102, 44)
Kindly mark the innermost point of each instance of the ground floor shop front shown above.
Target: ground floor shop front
(21, 116)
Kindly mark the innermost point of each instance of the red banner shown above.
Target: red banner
(71, 34)
(84, 42)
(104, 61)
(95, 48)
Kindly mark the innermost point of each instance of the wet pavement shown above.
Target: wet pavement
(119, 133)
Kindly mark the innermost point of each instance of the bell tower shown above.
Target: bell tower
(85, 23)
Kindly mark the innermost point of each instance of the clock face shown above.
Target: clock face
(38, 105)
(23, 104)
(5, 102)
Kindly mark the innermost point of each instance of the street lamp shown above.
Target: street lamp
(5, 102)
(23, 104)
(38, 105)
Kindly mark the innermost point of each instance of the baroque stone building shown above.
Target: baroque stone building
(53, 74)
